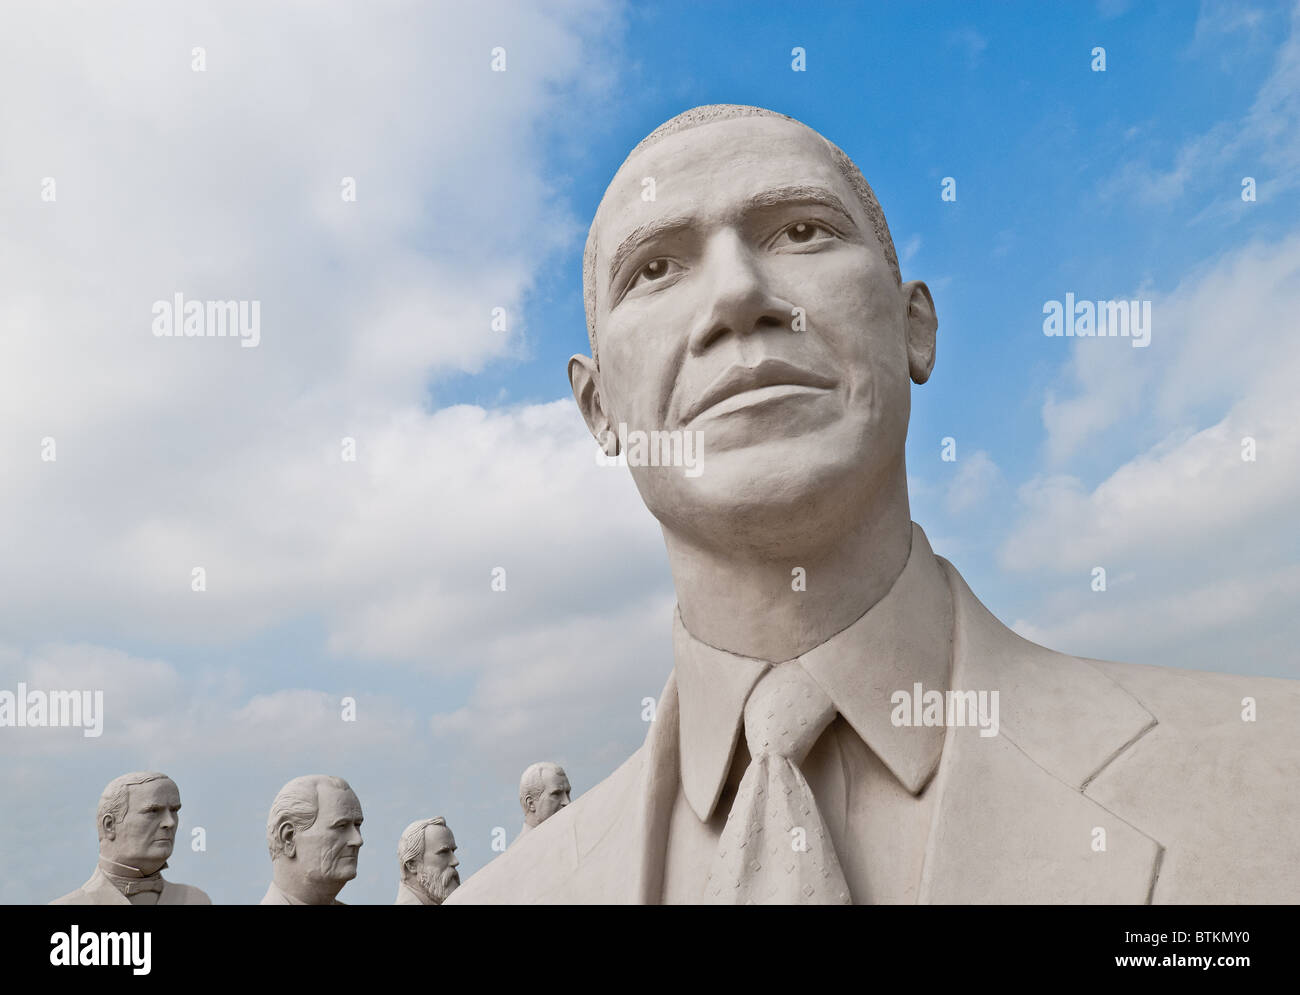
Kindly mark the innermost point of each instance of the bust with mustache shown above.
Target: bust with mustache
(314, 835)
(426, 858)
(137, 819)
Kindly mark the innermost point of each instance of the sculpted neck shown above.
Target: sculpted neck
(746, 601)
(308, 892)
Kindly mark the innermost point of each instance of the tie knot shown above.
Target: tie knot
(785, 713)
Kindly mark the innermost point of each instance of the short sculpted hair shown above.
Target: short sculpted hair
(708, 114)
(411, 845)
(298, 804)
(114, 800)
(533, 783)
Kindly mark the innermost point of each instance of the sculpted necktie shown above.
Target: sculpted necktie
(775, 848)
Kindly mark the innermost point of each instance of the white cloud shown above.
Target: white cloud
(1224, 333)
(1209, 536)
(180, 453)
(974, 480)
(176, 453)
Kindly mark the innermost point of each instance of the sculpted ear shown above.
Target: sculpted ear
(286, 834)
(922, 325)
(584, 378)
(108, 823)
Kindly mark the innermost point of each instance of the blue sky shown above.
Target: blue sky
(330, 579)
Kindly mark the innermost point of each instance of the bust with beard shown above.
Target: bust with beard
(426, 856)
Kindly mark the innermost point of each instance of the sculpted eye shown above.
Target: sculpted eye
(652, 272)
(803, 233)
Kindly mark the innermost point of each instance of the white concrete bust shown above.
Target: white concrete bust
(137, 820)
(426, 859)
(313, 834)
(755, 306)
(543, 791)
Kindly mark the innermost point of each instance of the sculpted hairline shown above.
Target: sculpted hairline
(298, 803)
(533, 782)
(411, 845)
(115, 798)
(712, 114)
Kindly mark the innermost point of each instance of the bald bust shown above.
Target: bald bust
(313, 833)
(844, 720)
(543, 791)
(426, 859)
(137, 819)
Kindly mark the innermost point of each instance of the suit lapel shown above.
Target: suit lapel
(1012, 823)
(656, 795)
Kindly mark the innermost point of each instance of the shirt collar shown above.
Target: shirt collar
(130, 880)
(902, 640)
(114, 869)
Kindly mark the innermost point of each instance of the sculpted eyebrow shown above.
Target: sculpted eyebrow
(640, 234)
(795, 195)
(777, 197)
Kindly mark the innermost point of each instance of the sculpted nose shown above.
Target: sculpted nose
(738, 301)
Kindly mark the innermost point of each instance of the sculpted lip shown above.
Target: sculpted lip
(768, 373)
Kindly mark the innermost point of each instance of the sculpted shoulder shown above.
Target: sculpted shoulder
(78, 897)
(1204, 764)
(1213, 781)
(186, 894)
(564, 859)
(176, 894)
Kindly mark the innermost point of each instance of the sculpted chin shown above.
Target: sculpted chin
(757, 303)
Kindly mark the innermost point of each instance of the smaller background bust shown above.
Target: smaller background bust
(314, 835)
(426, 857)
(137, 820)
(543, 791)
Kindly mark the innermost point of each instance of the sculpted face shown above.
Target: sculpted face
(696, 327)
(554, 796)
(327, 851)
(144, 838)
(438, 875)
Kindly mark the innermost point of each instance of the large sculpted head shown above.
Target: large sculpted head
(543, 791)
(137, 818)
(314, 834)
(426, 854)
(741, 282)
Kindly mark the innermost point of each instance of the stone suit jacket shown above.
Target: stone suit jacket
(100, 891)
(274, 896)
(1197, 804)
(407, 896)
